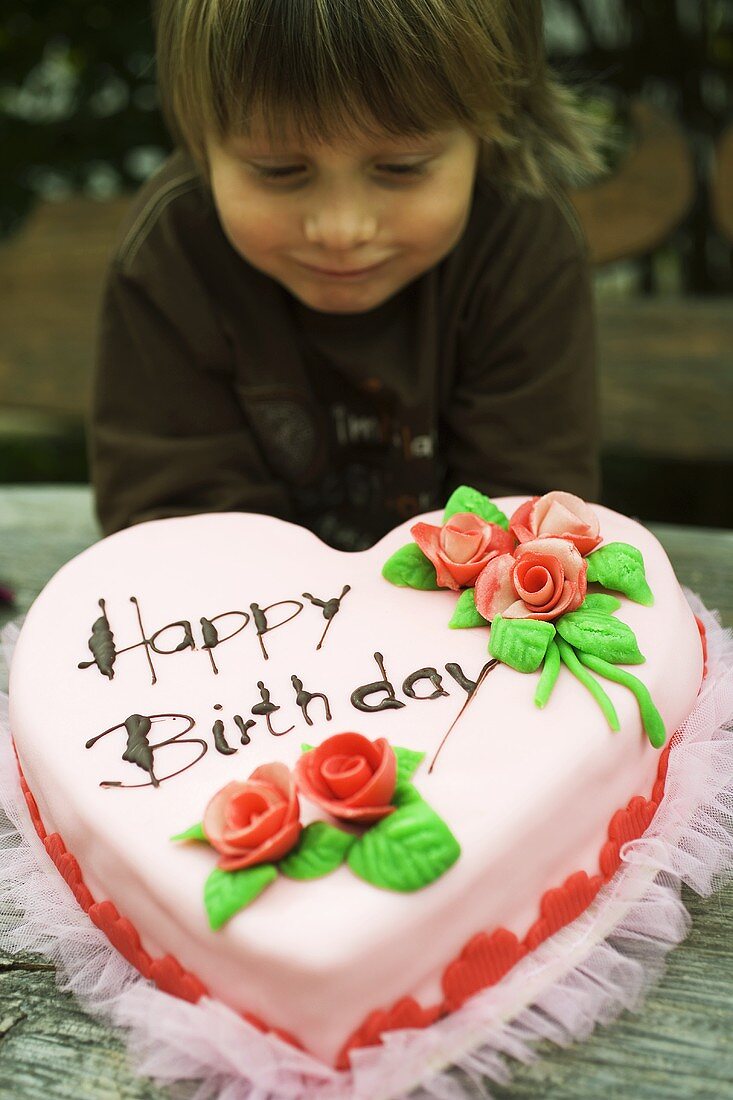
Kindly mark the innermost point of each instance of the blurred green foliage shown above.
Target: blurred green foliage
(50, 455)
(78, 103)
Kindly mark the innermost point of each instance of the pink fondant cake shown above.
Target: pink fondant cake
(320, 786)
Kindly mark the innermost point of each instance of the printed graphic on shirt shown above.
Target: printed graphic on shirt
(289, 435)
(352, 428)
(381, 465)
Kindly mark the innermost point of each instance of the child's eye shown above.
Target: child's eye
(393, 169)
(275, 173)
(404, 169)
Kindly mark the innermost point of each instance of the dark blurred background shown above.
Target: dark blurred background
(80, 130)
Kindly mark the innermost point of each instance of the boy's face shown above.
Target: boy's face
(400, 204)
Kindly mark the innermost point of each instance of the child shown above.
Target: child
(240, 369)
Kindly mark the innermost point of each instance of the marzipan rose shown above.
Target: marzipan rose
(557, 514)
(257, 821)
(461, 548)
(542, 579)
(350, 777)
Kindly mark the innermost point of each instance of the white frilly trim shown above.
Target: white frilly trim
(585, 974)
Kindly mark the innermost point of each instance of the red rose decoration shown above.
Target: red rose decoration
(350, 777)
(558, 515)
(461, 548)
(254, 822)
(542, 579)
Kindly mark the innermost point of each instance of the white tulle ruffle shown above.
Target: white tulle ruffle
(584, 975)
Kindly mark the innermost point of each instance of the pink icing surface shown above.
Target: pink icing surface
(528, 793)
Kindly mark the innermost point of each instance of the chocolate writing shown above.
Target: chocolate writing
(390, 701)
(102, 645)
(330, 608)
(186, 641)
(473, 686)
(430, 674)
(243, 727)
(105, 651)
(259, 615)
(220, 742)
(139, 750)
(267, 708)
(469, 686)
(303, 698)
(134, 599)
(211, 634)
(370, 698)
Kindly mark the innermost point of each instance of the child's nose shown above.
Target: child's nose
(341, 223)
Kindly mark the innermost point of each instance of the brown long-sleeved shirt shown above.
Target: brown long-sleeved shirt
(217, 390)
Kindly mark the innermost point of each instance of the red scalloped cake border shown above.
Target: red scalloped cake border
(484, 960)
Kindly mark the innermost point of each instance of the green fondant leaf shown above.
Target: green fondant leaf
(651, 719)
(226, 892)
(465, 614)
(405, 851)
(466, 499)
(196, 832)
(550, 671)
(520, 643)
(409, 568)
(306, 747)
(600, 635)
(602, 602)
(570, 658)
(405, 792)
(407, 763)
(321, 849)
(620, 567)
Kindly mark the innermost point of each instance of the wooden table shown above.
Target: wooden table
(679, 1046)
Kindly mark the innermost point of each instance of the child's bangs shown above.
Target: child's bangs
(328, 71)
(318, 114)
(321, 72)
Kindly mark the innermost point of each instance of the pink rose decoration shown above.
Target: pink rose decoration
(542, 579)
(461, 548)
(254, 822)
(559, 515)
(350, 776)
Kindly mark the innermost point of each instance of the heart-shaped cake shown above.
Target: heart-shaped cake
(343, 792)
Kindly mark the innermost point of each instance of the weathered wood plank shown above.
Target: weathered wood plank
(50, 285)
(702, 560)
(636, 208)
(666, 376)
(722, 183)
(40, 528)
(55, 1051)
(678, 1046)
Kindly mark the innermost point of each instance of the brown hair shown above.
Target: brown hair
(333, 67)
